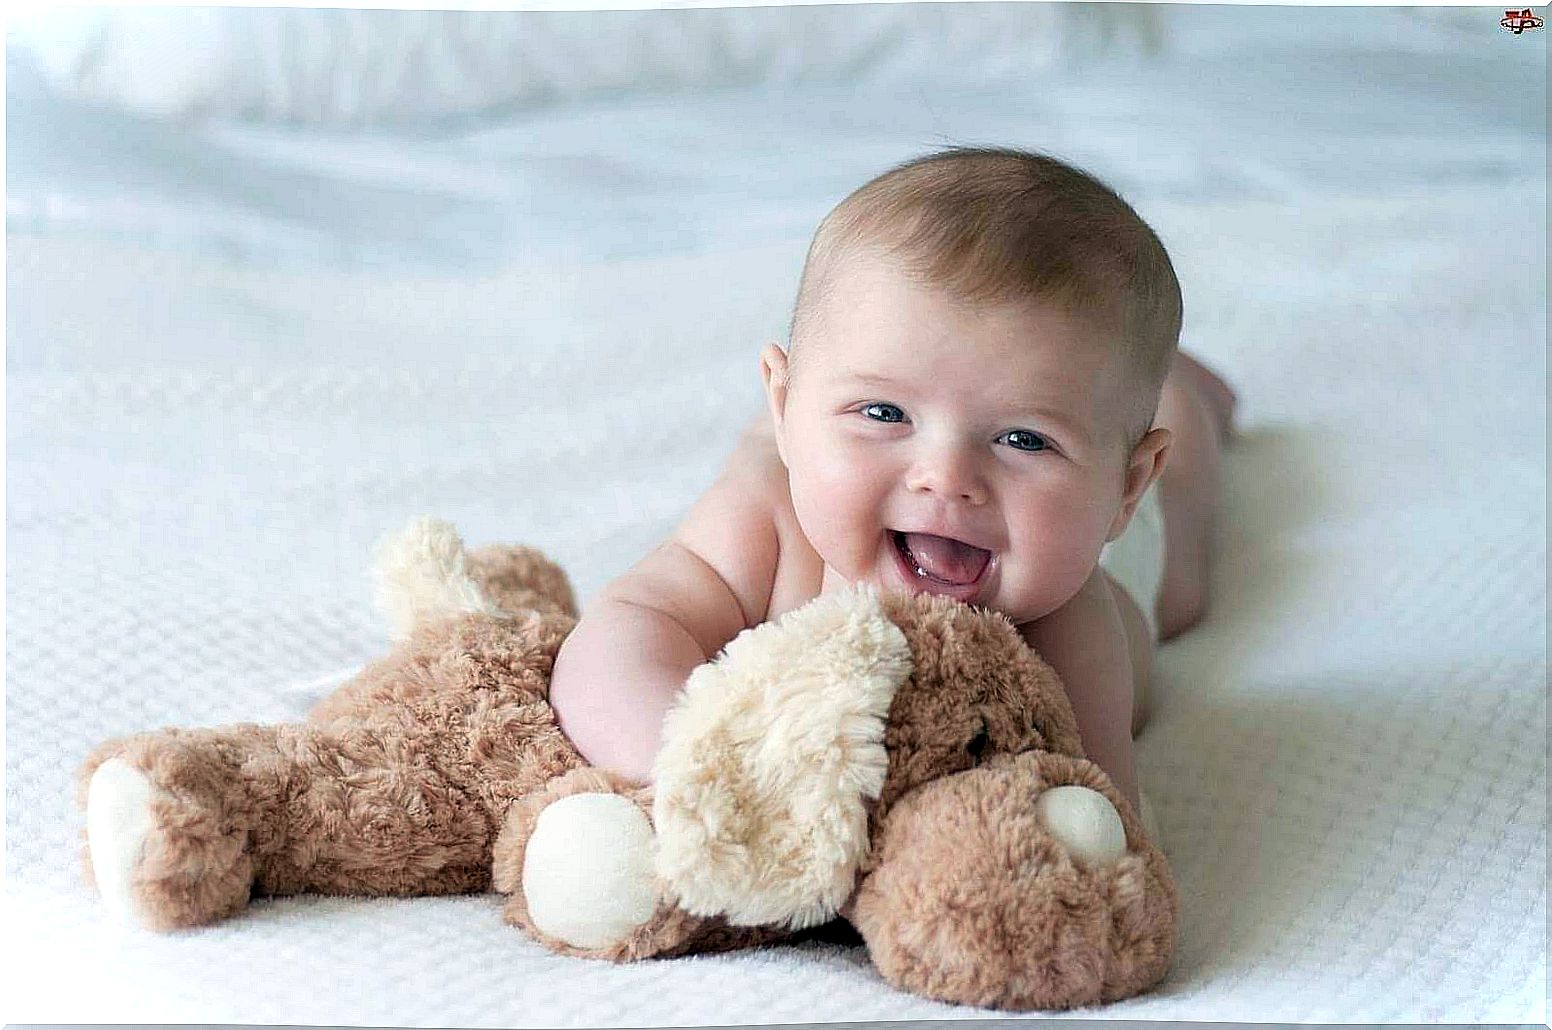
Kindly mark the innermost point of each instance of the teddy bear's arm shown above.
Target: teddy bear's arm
(576, 859)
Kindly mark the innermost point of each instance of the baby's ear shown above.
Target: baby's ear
(1143, 468)
(769, 760)
(773, 369)
(776, 373)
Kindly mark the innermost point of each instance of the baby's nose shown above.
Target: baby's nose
(949, 475)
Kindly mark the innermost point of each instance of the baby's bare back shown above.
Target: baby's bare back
(735, 561)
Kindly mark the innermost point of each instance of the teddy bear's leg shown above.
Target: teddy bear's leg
(182, 826)
(521, 579)
(576, 858)
(1027, 883)
(166, 837)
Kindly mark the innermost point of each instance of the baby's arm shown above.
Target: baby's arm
(617, 674)
(1086, 642)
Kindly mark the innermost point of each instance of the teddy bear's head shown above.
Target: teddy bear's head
(907, 762)
(975, 692)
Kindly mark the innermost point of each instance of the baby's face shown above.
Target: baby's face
(911, 416)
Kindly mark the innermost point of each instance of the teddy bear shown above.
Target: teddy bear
(903, 762)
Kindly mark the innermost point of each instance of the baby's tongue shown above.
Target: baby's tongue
(948, 560)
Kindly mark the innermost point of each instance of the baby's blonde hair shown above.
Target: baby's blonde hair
(996, 224)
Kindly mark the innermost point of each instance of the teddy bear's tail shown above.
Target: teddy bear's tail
(422, 574)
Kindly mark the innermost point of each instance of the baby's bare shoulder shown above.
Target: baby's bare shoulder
(1101, 647)
(1087, 640)
(714, 573)
(732, 528)
(756, 467)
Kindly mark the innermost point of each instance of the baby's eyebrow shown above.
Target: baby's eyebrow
(871, 378)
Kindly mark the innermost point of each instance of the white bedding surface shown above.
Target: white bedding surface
(1347, 758)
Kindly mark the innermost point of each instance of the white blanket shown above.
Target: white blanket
(1347, 757)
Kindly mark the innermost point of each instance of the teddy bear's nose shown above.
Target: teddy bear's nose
(1085, 822)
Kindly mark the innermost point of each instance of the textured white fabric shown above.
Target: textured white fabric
(1347, 758)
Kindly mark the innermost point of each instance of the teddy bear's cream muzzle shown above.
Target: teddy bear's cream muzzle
(772, 757)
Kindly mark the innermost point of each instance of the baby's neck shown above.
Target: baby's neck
(831, 582)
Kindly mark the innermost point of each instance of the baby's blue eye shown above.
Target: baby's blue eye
(899, 416)
(1032, 441)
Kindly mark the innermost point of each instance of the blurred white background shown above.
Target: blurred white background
(475, 137)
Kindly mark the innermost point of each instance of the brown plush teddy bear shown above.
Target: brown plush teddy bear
(904, 762)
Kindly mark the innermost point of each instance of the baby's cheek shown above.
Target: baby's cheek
(824, 500)
(824, 474)
(1070, 569)
(1061, 559)
(835, 506)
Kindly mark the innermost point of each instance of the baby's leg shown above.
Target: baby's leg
(1197, 407)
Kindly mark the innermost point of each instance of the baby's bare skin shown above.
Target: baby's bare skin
(740, 558)
(1098, 637)
(985, 451)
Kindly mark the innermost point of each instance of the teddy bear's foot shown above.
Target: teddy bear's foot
(587, 871)
(118, 821)
(1026, 883)
(161, 846)
(577, 859)
(1084, 822)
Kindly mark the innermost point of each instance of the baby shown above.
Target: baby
(982, 399)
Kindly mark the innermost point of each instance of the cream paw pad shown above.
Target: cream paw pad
(1085, 822)
(118, 822)
(587, 870)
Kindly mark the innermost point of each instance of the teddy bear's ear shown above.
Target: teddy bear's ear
(421, 574)
(769, 759)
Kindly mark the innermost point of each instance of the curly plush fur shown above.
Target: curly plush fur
(397, 784)
(886, 766)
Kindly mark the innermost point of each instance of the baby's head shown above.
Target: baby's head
(977, 350)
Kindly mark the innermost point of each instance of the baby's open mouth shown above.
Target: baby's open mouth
(941, 559)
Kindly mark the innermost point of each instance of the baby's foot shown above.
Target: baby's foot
(1216, 394)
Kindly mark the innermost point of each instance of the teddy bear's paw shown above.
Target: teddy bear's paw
(165, 840)
(587, 870)
(1084, 822)
(1024, 883)
(118, 823)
